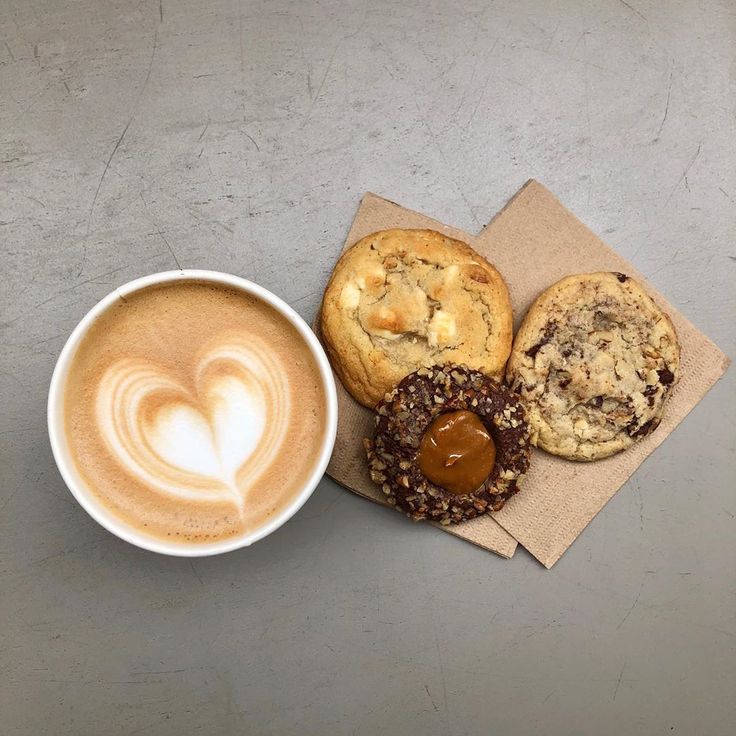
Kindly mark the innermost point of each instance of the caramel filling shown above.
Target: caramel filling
(457, 452)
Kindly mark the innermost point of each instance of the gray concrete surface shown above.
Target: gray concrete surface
(240, 136)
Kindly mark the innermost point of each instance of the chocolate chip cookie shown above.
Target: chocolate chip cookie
(407, 418)
(594, 361)
(401, 299)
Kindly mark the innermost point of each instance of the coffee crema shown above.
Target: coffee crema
(194, 411)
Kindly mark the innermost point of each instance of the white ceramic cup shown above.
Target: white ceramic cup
(104, 516)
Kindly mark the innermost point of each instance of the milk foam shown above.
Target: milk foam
(193, 411)
(206, 442)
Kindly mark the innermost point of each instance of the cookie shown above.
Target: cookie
(594, 361)
(402, 299)
(409, 412)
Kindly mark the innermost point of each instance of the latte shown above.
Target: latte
(194, 411)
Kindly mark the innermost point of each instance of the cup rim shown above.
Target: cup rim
(105, 517)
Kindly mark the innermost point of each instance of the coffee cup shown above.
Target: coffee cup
(192, 432)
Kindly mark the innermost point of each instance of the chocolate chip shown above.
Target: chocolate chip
(565, 382)
(534, 349)
(567, 352)
(621, 276)
(645, 428)
(651, 393)
(666, 376)
(549, 330)
(597, 402)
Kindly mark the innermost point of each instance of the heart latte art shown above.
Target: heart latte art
(194, 411)
(210, 444)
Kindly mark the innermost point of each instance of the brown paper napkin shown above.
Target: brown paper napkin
(533, 241)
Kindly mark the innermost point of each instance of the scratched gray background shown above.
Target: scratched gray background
(240, 136)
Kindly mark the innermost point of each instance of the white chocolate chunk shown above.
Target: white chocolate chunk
(442, 330)
(350, 296)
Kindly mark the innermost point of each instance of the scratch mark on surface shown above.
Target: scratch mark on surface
(81, 283)
(633, 606)
(33, 199)
(92, 280)
(431, 700)
(550, 695)
(361, 26)
(161, 11)
(449, 168)
(104, 173)
(726, 510)
(684, 174)
(483, 90)
(204, 130)
(577, 43)
(723, 191)
(306, 296)
(666, 106)
(440, 659)
(12, 58)
(196, 574)
(159, 231)
(117, 145)
(618, 683)
(633, 9)
(442, 666)
(472, 76)
(329, 507)
(321, 85)
(252, 140)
